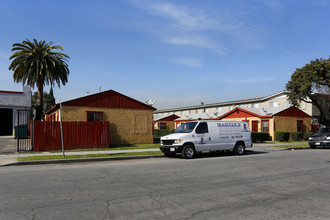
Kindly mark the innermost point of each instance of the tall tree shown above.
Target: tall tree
(305, 82)
(35, 63)
(49, 100)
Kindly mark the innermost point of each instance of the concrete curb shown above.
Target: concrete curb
(81, 160)
(298, 148)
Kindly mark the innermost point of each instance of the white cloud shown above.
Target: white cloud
(185, 18)
(204, 28)
(252, 80)
(196, 41)
(191, 62)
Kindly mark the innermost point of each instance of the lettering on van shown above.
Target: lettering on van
(227, 124)
(232, 127)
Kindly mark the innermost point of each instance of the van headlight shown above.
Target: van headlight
(310, 138)
(177, 141)
(328, 138)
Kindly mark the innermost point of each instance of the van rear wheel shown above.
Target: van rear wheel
(239, 149)
(188, 152)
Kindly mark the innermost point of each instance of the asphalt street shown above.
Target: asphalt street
(263, 184)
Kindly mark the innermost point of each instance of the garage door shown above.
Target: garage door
(6, 121)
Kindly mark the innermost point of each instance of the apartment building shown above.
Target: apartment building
(272, 101)
(215, 110)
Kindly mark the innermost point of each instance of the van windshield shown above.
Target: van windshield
(186, 127)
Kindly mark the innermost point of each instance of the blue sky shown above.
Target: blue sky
(177, 52)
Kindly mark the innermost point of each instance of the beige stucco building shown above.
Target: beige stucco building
(214, 110)
(131, 121)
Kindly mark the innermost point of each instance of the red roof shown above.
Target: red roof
(293, 112)
(106, 99)
(241, 113)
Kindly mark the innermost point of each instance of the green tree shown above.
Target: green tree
(49, 100)
(305, 82)
(36, 64)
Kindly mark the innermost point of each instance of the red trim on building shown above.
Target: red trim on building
(300, 126)
(241, 113)
(254, 126)
(11, 92)
(169, 118)
(293, 112)
(108, 99)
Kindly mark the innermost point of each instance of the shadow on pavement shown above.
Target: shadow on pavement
(222, 154)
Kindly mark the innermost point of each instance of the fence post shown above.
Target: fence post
(61, 128)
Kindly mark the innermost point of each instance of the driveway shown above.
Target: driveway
(8, 144)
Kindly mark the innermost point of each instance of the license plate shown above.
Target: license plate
(317, 143)
(172, 149)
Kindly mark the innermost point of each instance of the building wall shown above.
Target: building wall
(281, 99)
(14, 101)
(127, 126)
(290, 123)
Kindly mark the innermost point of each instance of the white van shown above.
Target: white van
(207, 135)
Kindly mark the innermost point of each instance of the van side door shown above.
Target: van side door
(202, 137)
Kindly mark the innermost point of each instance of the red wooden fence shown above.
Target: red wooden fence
(47, 135)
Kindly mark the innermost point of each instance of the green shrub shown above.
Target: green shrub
(162, 132)
(297, 136)
(282, 135)
(307, 135)
(260, 137)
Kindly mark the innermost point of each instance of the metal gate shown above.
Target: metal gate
(23, 130)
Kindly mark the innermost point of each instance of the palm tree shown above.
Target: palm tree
(36, 63)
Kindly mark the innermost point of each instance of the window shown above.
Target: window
(300, 124)
(273, 104)
(162, 125)
(265, 126)
(231, 107)
(186, 127)
(255, 105)
(219, 109)
(94, 116)
(202, 128)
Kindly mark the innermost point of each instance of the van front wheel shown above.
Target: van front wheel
(188, 152)
(239, 149)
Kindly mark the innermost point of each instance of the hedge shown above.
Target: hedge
(162, 132)
(297, 136)
(260, 137)
(282, 135)
(307, 135)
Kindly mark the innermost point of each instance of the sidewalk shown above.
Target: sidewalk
(11, 158)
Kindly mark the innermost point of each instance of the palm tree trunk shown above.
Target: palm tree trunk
(40, 101)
